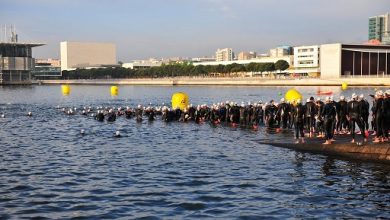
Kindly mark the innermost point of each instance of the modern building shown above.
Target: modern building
(16, 61)
(289, 59)
(281, 51)
(351, 60)
(225, 54)
(307, 60)
(87, 55)
(50, 61)
(379, 28)
(246, 55)
(46, 69)
(142, 64)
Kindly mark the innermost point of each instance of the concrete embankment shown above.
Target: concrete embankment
(369, 152)
(248, 81)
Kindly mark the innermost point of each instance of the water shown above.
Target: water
(176, 170)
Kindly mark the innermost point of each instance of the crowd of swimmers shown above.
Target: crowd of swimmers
(314, 118)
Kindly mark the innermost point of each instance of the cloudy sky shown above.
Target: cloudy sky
(189, 28)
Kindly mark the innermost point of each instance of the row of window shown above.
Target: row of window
(305, 56)
(306, 50)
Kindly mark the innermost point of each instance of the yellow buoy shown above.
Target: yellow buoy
(180, 100)
(65, 89)
(344, 86)
(292, 96)
(114, 90)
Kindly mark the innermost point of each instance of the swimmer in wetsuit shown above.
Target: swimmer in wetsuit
(298, 116)
(329, 114)
(355, 117)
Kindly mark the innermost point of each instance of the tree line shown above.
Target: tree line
(173, 70)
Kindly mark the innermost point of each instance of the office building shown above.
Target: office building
(379, 28)
(87, 55)
(307, 60)
(225, 54)
(246, 55)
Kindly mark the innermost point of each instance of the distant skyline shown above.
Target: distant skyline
(181, 28)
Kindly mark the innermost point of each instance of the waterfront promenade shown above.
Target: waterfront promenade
(228, 81)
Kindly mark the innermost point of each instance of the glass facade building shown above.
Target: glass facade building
(16, 63)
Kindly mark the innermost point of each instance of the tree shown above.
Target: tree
(281, 65)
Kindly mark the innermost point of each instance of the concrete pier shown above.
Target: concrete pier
(374, 152)
(227, 81)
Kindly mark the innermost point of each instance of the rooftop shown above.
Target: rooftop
(22, 44)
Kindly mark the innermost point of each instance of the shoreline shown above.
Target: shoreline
(252, 81)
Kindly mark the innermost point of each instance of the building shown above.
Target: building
(50, 61)
(87, 55)
(351, 60)
(46, 69)
(289, 59)
(16, 61)
(142, 64)
(307, 60)
(225, 54)
(379, 28)
(203, 59)
(281, 51)
(246, 55)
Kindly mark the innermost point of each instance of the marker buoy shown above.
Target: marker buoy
(65, 90)
(180, 100)
(292, 96)
(344, 86)
(114, 90)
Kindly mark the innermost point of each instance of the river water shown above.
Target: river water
(169, 171)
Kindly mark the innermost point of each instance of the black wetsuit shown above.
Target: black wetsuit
(342, 122)
(386, 116)
(243, 114)
(365, 113)
(298, 116)
(309, 115)
(99, 116)
(270, 113)
(355, 116)
(320, 118)
(191, 113)
(222, 113)
(111, 117)
(284, 114)
(138, 114)
(329, 114)
(378, 111)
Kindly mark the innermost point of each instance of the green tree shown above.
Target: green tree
(281, 65)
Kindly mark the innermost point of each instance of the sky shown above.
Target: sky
(143, 29)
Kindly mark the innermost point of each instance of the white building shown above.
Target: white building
(225, 54)
(86, 55)
(307, 59)
(289, 59)
(142, 64)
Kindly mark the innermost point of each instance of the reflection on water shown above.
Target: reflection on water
(176, 170)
